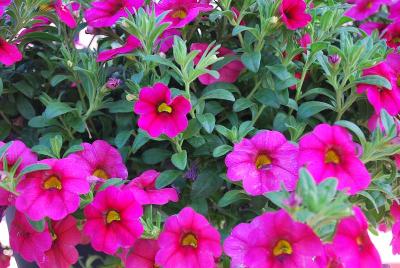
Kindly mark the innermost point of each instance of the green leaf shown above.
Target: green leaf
(375, 80)
(221, 150)
(141, 139)
(310, 108)
(55, 80)
(155, 155)
(4, 148)
(54, 109)
(252, 60)
(33, 168)
(207, 183)
(280, 71)
(167, 177)
(25, 107)
(179, 160)
(1, 86)
(354, 128)
(73, 149)
(37, 225)
(242, 104)
(117, 182)
(219, 93)
(239, 28)
(232, 197)
(207, 121)
(122, 138)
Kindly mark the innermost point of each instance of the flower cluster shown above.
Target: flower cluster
(199, 133)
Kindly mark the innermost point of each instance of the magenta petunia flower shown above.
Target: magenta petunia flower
(160, 113)
(329, 259)
(228, 73)
(393, 60)
(379, 97)
(142, 254)
(181, 12)
(101, 160)
(145, 191)
(392, 34)
(370, 26)
(26, 241)
(362, 9)
(293, 14)
(273, 239)
(3, 5)
(188, 240)
(395, 213)
(131, 44)
(65, 14)
(52, 193)
(394, 10)
(263, 163)
(9, 54)
(329, 151)
(105, 13)
(16, 152)
(112, 220)
(38, 26)
(352, 244)
(62, 253)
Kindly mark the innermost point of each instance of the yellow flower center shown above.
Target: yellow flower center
(99, 173)
(112, 216)
(359, 240)
(189, 240)
(54, 236)
(282, 247)
(262, 161)
(164, 108)
(52, 183)
(180, 13)
(332, 157)
(369, 5)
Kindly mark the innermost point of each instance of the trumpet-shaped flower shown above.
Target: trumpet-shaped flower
(293, 14)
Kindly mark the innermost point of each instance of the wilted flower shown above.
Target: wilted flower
(113, 83)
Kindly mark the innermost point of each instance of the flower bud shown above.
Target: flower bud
(334, 59)
(113, 83)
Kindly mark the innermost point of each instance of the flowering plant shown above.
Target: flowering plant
(199, 133)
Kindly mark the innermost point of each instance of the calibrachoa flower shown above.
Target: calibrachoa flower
(329, 259)
(65, 14)
(131, 44)
(273, 239)
(263, 163)
(395, 212)
(188, 240)
(370, 26)
(160, 113)
(112, 220)
(52, 193)
(394, 10)
(9, 54)
(181, 12)
(228, 73)
(16, 152)
(26, 241)
(329, 151)
(365, 8)
(393, 60)
(62, 254)
(101, 160)
(105, 13)
(293, 14)
(38, 26)
(352, 244)
(3, 5)
(379, 97)
(142, 254)
(146, 193)
(392, 34)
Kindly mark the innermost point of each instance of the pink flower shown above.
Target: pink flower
(328, 151)
(263, 163)
(181, 12)
(364, 8)
(16, 152)
(392, 34)
(62, 253)
(293, 14)
(101, 160)
(9, 54)
(236, 15)
(393, 60)
(166, 39)
(161, 114)
(382, 98)
(394, 10)
(3, 5)
(142, 254)
(112, 220)
(329, 259)
(370, 26)
(273, 240)
(65, 14)
(395, 213)
(146, 193)
(228, 73)
(38, 26)
(131, 44)
(352, 244)
(188, 240)
(52, 193)
(105, 13)
(26, 241)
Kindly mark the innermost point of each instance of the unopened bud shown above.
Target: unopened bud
(113, 83)
(334, 59)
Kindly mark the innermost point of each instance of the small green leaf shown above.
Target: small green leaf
(242, 104)
(73, 149)
(37, 225)
(221, 150)
(54, 109)
(33, 168)
(232, 197)
(375, 80)
(310, 108)
(207, 121)
(167, 177)
(55, 80)
(219, 93)
(179, 160)
(252, 60)
(122, 138)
